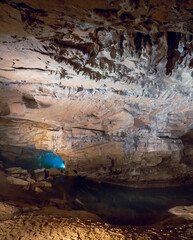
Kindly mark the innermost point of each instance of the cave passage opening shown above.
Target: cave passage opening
(31, 158)
(44, 159)
(50, 160)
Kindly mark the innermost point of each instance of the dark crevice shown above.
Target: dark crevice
(135, 3)
(126, 16)
(138, 42)
(85, 48)
(187, 141)
(25, 17)
(172, 53)
(147, 39)
(188, 138)
(7, 70)
(39, 69)
(191, 63)
(90, 129)
(105, 13)
(30, 102)
(28, 9)
(159, 35)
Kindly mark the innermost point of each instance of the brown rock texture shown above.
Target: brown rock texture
(54, 224)
(107, 85)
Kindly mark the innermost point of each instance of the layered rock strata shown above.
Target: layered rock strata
(107, 85)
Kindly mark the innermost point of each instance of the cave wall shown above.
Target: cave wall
(107, 85)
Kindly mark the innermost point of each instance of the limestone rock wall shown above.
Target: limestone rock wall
(107, 85)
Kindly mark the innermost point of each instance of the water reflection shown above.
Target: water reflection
(122, 205)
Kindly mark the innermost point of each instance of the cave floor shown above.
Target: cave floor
(52, 223)
(33, 217)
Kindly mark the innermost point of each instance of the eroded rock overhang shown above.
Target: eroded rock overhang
(107, 85)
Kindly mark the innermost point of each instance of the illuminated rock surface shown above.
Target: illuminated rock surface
(29, 217)
(107, 85)
(51, 223)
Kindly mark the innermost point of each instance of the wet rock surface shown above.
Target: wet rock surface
(54, 223)
(32, 215)
(183, 211)
(57, 227)
(106, 85)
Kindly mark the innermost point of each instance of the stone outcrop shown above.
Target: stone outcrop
(107, 85)
(185, 212)
(33, 180)
(18, 181)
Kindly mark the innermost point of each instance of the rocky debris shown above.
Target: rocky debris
(38, 186)
(38, 190)
(18, 176)
(46, 184)
(37, 181)
(185, 212)
(40, 174)
(16, 170)
(30, 180)
(53, 172)
(8, 211)
(17, 181)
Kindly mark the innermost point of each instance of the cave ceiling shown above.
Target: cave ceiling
(107, 85)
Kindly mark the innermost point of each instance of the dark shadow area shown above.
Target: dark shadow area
(187, 141)
(120, 205)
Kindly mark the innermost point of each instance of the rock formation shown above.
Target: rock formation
(107, 85)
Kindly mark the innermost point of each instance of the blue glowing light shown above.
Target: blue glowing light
(50, 160)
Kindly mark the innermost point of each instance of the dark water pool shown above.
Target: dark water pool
(121, 205)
